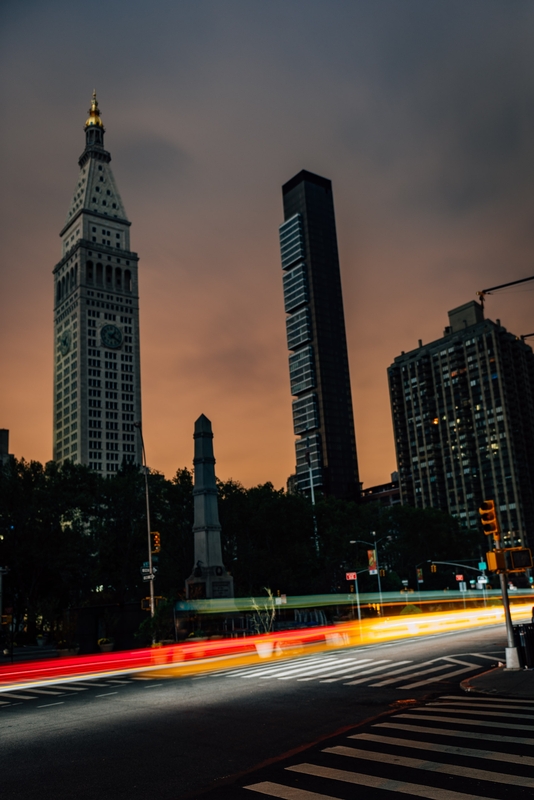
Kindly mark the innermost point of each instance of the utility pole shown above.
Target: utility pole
(491, 527)
(150, 567)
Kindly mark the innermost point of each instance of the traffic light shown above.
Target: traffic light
(488, 518)
(518, 559)
(433, 568)
(382, 572)
(156, 542)
(509, 559)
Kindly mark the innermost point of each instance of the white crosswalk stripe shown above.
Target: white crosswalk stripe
(352, 670)
(405, 758)
(36, 692)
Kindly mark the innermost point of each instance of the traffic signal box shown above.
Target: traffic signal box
(509, 559)
(506, 559)
(488, 518)
(156, 541)
(433, 568)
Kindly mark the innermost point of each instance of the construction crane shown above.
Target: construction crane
(484, 292)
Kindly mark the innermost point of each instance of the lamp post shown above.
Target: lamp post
(150, 572)
(374, 545)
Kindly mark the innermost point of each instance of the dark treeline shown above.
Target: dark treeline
(71, 538)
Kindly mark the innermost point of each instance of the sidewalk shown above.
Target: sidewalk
(502, 682)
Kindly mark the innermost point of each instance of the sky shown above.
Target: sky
(420, 113)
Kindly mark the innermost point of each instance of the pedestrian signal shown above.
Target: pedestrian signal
(518, 559)
(156, 542)
(488, 518)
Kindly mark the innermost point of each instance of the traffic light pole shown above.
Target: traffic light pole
(512, 656)
(151, 572)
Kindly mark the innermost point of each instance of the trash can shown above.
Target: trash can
(524, 641)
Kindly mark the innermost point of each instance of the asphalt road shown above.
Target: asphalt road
(143, 736)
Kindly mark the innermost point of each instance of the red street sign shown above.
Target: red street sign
(459, 577)
(351, 576)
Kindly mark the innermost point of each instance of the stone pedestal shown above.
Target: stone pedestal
(209, 578)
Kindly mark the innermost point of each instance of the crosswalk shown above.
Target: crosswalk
(355, 670)
(448, 749)
(50, 693)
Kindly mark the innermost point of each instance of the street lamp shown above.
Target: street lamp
(150, 569)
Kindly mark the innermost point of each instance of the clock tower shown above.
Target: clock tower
(97, 381)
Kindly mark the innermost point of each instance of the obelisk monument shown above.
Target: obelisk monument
(209, 578)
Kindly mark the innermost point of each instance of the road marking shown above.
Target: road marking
(105, 695)
(385, 662)
(393, 672)
(432, 766)
(117, 682)
(460, 721)
(152, 686)
(288, 674)
(287, 792)
(60, 703)
(467, 704)
(366, 671)
(18, 696)
(345, 669)
(480, 655)
(412, 675)
(90, 685)
(431, 792)
(481, 699)
(482, 713)
(70, 688)
(444, 748)
(4, 703)
(440, 677)
(257, 670)
(490, 737)
(44, 691)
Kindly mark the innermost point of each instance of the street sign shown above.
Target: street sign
(482, 565)
(351, 576)
(462, 586)
(147, 569)
(405, 582)
(459, 577)
(148, 577)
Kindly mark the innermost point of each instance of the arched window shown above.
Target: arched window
(58, 291)
(127, 280)
(109, 276)
(89, 271)
(118, 278)
(99, 276)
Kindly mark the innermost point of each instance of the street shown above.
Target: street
(139, 735)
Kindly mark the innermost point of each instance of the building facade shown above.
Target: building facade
(318, 360)
(97, 381)
(463, 419)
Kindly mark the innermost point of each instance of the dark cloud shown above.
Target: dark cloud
(422, 115)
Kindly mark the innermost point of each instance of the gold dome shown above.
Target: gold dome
(94, 114)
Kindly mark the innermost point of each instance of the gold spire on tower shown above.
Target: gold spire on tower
(94, 114)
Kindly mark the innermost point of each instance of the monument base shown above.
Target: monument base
(208, 583)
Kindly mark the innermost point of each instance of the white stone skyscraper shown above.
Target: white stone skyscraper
(97, 386)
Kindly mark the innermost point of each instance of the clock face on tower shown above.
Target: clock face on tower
(64, 342)
(111, 336)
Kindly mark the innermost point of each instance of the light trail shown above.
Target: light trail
(192, 658)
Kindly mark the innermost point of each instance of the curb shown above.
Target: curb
(467, 686)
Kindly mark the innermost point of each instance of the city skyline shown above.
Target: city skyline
(421, 120)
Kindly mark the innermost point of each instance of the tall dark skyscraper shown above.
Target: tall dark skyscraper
(318, 360)
(463, 418)
(97, 382)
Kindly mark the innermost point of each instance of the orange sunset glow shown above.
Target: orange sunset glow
(423, 123)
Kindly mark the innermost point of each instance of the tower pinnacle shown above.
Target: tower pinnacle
(94, 114)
